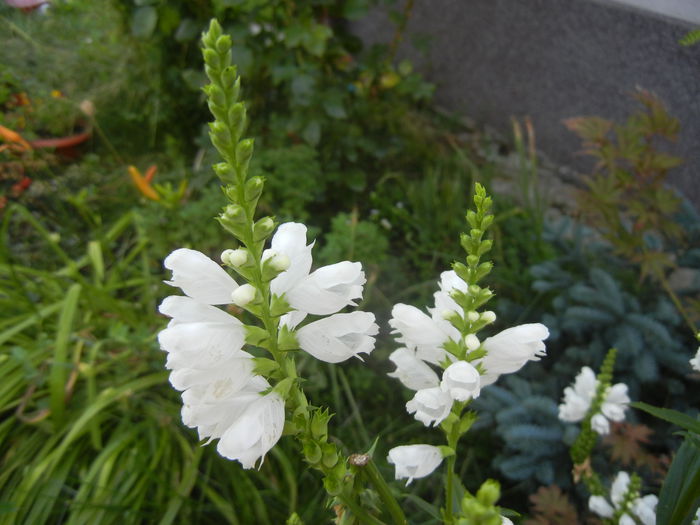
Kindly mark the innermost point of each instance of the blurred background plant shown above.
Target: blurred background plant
(351, 143)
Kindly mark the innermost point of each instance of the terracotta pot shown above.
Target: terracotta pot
(27, 5)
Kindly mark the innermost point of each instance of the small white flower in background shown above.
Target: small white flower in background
(505, 521)
(509, 350)
(642, 508)
(695, 361)
(430, 405)
(414, 461)
(578, 398)
(461, 381)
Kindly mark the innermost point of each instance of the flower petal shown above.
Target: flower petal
(414, 461)
(199, 277)
(339, 337)
(411, 371)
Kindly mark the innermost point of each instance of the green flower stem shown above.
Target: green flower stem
(380, 484)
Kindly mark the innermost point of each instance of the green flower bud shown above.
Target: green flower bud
(244, 151)
(237, 119)
(312, 452)
(230, 81)
(223, 44)
(263, 228)
(489, 492)
(225, 172)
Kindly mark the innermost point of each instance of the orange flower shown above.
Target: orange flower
(13, 138)
(143, 182)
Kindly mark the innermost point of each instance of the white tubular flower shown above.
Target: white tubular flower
(600, 424)
(255, 431)
(642, 509)
(578, 398)
(506, 521)
(600, 506)
(461, 381)
(509, 350)
(221, 396)
(449, 281)
(695, 361)
(199, 277)
(411, 371)
(322, 292)
(616, 402)
(430, 405)
(420, 332)
(339, 337)
(645, 509)
(199, 336)
(414, 461)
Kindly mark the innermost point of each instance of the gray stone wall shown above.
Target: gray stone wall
(554, 59)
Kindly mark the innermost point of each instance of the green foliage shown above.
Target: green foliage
(353, 239)
(691, 38)
(626, 198)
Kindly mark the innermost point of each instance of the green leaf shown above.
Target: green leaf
(59, 366)
(143, 21)
(672, 416)
(680, 494)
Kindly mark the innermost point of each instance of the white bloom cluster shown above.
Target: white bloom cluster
(424, 337)
(222, 397)
(642, 509)
(578, 398)
(695, 361)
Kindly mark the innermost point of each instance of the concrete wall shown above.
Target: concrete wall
(554, 59)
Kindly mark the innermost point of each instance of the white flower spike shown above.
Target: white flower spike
(414, 461)
(578, 398)
(642, 509)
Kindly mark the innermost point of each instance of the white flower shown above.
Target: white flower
(695, 361)
(322, 292)
(255, 431)
(616, 402)
(430, 405)
(578, 398)
(643, 508)
(339, 337)
(199, 277)
(420, 332)
(221, 397)
(461, 381)
(414, 461)
(509, 350)
(506, 521)
(199, 335)
(411, 371)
